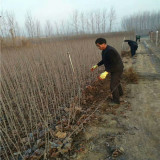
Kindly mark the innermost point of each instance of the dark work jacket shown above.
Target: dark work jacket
(111, 60)
(132, 44)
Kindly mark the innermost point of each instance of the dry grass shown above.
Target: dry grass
(18, 42)
(42, 96)
(125, 53)
(130, 76)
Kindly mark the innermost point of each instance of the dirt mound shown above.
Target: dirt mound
(95, 92)
(126, 54)
(130, 76)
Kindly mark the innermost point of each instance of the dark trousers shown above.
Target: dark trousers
(137, 39)
(115, 86)
(133, 52)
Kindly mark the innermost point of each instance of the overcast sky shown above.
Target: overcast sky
(55, 10)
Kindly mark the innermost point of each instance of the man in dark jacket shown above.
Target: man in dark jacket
(113, 64)
(133, 45)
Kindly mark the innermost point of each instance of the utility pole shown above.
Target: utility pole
(0, 47)
(156, 38)
(0, 39)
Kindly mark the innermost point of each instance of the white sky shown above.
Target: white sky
(55, 10)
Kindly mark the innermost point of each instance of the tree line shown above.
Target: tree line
(99, 21)
(93, 22)
(142, 23)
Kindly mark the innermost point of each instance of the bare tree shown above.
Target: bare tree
(30, 25)
(82, 22)
(57, 29)
(92, 22)
(104, 17)
(3, 26)
(12, 24)
(68, 29)
(98, 21)
(48, 29)
(9, 26)
(87, 25)
(38, 28)
(63, 28)
(112, 17)
(75, 21)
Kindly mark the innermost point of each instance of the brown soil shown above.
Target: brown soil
(130, 130)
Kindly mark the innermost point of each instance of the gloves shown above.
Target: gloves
(103, 75)
(94, 67)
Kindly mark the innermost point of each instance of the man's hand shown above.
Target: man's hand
(94, 67)
(103, 75)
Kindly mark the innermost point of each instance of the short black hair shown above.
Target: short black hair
(100, 41)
